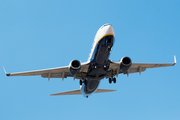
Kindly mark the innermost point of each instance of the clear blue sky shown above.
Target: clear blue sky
(42, 34)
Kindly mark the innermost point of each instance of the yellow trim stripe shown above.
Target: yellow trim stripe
(97, 42)
(103, 37)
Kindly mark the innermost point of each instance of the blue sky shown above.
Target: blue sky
(45, 34)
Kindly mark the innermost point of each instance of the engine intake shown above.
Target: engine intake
(74, 67)
(125, 64)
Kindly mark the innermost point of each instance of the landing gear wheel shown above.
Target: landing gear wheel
(114, 80)
(85, 82)
(86, 96)
(110, 80)
(80, 82)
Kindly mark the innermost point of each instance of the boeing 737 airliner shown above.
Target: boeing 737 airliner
(97, 67)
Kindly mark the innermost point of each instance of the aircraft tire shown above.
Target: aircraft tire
(85, 82)
(110, 80)
(114, 80)
(80, 82)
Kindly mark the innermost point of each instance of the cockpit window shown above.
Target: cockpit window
(105, 25)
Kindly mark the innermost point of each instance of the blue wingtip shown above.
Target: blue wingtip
(8, 74)
(4, 70)
(175, 61)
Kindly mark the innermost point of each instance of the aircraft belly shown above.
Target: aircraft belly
(96, 74)
(100, 59)
(90, 87)
(99, 65)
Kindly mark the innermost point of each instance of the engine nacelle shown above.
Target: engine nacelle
(125, 64)
(74, 67)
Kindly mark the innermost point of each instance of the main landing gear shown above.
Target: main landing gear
(83, 81)
(112, 79)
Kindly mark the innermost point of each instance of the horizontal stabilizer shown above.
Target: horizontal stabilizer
(103, 90)
(73, 92)
(78, 92)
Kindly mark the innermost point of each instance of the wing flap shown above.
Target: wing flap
(39, 72)
(150, 65)
(66, 74)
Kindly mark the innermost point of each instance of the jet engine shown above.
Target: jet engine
(74, 67)
(125, 64)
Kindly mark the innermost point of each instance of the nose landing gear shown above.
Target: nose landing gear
(83, 81)
(80, 82)
(112, 79)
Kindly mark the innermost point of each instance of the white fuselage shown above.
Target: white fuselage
(99, 58)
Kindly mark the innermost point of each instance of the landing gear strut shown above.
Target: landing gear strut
(112, 79)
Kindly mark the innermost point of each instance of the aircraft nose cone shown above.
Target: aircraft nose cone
(110, 29)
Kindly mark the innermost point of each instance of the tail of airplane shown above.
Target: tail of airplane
(78, 92)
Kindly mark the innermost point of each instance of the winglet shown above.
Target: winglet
(175, 60)
(8, 74)
(4, 69)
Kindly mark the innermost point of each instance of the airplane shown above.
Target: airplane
(98, 66)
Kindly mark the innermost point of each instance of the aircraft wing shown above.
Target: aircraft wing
(59, 72)
(114, 69)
